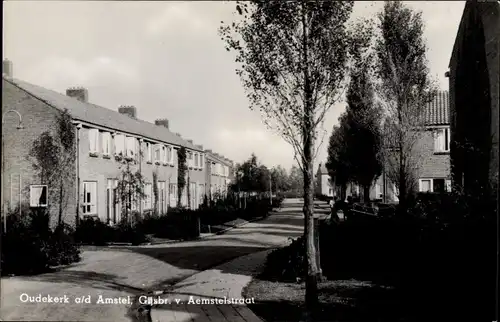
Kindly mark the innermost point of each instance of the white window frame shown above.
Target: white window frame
(131, 146)
(420, 184)
(33, 187)
(191, 159)
(149, 152)
(119, 142)
(148, 195)
(172, 151)
(93, 141)
(157, 153)
(442, 139)
(106, 143)
(92, 186)
(447, 184)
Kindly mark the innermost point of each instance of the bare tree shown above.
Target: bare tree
(293, 58)
(403, 91)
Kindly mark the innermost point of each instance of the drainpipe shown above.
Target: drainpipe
(140, 172)
(78, 127)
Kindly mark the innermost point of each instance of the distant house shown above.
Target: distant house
(324, 186)
(474, 96)
(104, 137)
(219, 175)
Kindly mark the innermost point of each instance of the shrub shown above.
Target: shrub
(63, 249)
(178, 223)
(287, 264)
(92, 231)
(29, 246)
(130, 232)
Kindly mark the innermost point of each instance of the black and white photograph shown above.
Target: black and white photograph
(250, 161)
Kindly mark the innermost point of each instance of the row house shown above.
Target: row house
(433, 172)
(219, 175)
(433, 147)
(105, 140)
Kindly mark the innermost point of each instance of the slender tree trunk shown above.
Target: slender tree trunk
(366, 193)
(61, 194)
(308, 143)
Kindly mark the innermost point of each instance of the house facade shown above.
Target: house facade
(474, 97)
(432, 151)
(105, 141)
(432, 154)
(219, 175)
(324, 186)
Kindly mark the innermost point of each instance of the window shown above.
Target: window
(425, 185)
(448, 185)
(202, 161)
(149, 152)
(434, 185)
(93, 140)
(172, 151)
(196, 160)
(119, 144)
(168, 157)
(442, 140)
(131, 146)
(190, 159)
(157, 153)
(89, 200)
(38, 196)
(173, 194)
(106, 143)
(162, 197)
(148, 192)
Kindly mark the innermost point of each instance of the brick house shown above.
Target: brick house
(103, 138)
(474, 96)
(433, 147)
(218, 175)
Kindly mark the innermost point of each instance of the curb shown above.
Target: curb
(111, 245)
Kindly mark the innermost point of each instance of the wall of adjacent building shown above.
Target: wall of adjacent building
(37, 117)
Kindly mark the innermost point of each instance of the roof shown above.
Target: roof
(437, 111)
(101, 116)
(211, 155)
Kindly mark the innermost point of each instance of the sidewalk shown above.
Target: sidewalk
(225, 281)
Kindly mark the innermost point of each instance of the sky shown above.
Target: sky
(167, 59)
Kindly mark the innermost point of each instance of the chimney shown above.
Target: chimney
(162, 122)
(178, 134)
(7, 68)
(209, 151)
(129, 110)
(200, 147)
(79, 93)
(190, 141)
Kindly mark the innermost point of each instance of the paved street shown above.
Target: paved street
(129, 271)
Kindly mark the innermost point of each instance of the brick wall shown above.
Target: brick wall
(38, 117)
(432, 164)
(467, 101)
(100, 169)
